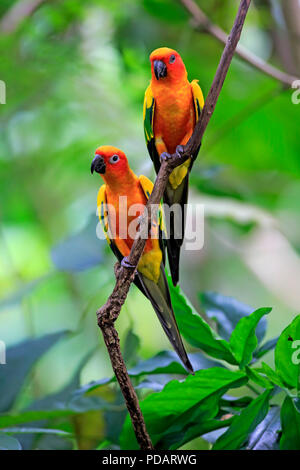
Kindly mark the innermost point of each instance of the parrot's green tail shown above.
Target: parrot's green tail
(174, 244)
(159, 296)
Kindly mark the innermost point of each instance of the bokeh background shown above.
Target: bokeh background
(75, 75)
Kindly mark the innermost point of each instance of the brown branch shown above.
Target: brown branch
(20, 10)
(202, 23)
(108, 314)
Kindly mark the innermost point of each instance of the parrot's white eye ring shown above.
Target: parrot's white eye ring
(172, 59)
(114, 159)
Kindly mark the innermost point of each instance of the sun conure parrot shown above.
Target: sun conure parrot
(172, 106)
(111, 163)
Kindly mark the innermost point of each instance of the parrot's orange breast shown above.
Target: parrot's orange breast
(124, 221)
(174, 116)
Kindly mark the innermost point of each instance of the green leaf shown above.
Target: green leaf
(58, 400)
(80, 251)
(290, 425)
(227, 312)
(272, 375)
(287, 354)
(17, 296)
(243, 340)
(167, 362)
(19, 430)
(258, 378)
(9, 442)
(179, 437)
(19, 361)
(196, 331)
(78, 405)
(131, 346)
(174, 407)
(244, 424)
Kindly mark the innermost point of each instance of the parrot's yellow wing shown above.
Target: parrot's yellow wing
(103, 217)
(147, 185)
(198, 98)
(102, 211)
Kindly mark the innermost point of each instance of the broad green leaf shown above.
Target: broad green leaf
(178, 402)
(16, 297)
(30, 430)
(57, 401)
(244, 424)
(287, 354)
(243, 340)
(75, 406)
(167, 362)
(80, 251)
(256, 377)
(177, 439)
(9, 442)
(227, 312)
(19, 361)
(131, 346)
(266, 435)
(196, 331)
(290, 425)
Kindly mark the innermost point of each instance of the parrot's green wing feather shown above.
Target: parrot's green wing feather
(148, 113)
(198, 98)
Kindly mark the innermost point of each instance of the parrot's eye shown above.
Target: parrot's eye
(114, 159)
(172, 59)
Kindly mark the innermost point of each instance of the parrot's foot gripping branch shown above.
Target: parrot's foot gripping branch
(179, 152)
(126, 263)
(110, 311)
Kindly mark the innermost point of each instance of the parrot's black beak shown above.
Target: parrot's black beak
(98, 165)
(160, 69)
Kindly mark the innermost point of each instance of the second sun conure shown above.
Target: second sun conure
(120, 181)
(172, 106)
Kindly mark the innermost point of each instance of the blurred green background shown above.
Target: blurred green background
(75, 75)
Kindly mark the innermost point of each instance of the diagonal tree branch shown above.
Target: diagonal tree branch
(202, 23)
(109, 312)
(20, 10)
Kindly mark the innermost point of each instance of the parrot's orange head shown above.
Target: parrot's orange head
(167, 65)
(110, 162)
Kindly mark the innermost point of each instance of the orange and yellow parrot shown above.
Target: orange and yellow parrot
(111, 163)
(172, 106)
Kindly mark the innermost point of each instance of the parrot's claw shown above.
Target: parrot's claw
(179, 151)
(126, 264)
(165, 156)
